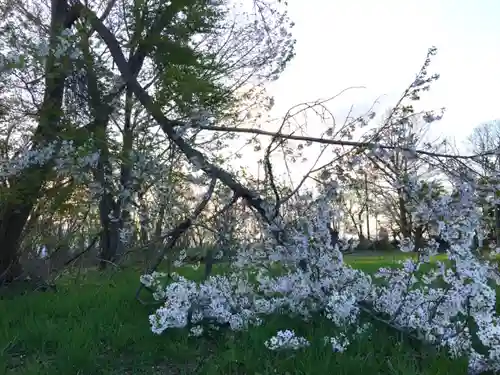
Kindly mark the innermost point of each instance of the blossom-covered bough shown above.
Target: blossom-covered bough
(448, 304)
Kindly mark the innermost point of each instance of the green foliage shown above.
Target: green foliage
(188, 75)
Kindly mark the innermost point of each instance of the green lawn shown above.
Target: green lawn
(372, 263)
(95, 326)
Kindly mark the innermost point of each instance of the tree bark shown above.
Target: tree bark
(26, 188)
(404, 224)
(111, 247)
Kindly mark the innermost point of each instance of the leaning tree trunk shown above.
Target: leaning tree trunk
(25, 189)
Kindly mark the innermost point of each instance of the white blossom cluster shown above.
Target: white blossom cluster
(67, 159)
(339, 344)
(77, 161)
(438, 304)
(66, 45)
(286, 339)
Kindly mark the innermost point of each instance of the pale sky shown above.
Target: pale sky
(382, 44)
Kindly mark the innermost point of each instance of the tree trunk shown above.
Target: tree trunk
(12, 223)
(111, 245)
(404, 224)
(25, 189)
(159, 220)
(367, 208)
(126, 165)
(143, 221)
(109, 208)
(110, 238)
(360, 225)
(419, 244)
(497, 224)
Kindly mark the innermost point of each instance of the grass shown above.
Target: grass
(94, 325)
(372, 263)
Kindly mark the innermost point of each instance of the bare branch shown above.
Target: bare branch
(178, 231)
(363, 145)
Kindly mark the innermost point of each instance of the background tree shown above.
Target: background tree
(183, 52)
(484, 138)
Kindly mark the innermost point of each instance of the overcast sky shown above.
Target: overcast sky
(382, 44)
